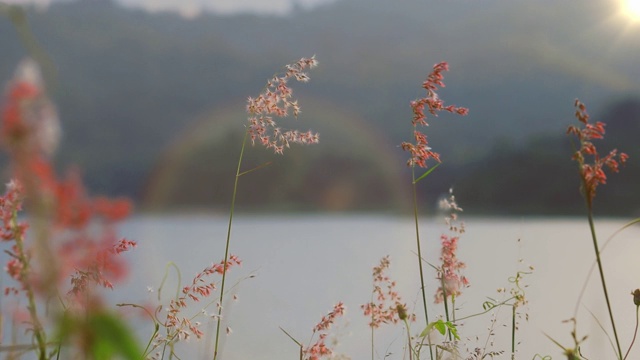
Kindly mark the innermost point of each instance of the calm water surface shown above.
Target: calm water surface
(295, 268)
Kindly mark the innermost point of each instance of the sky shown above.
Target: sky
(193, 7)
(223, 6)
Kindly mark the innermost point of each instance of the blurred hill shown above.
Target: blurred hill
(130, 83)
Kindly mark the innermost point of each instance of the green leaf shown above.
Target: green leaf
(438, 325)
(442, 327)
(426, 173)
(291, 337)
(111, 336)
(452, 329)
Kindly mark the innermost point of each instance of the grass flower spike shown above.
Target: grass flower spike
(277, 100)
(319, 348)
(387, 303)
(420, 150)
(449, 273)
(592, 174)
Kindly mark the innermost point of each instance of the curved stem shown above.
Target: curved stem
(226, 250)
(593, 266)
(491, 307)
(635, 333)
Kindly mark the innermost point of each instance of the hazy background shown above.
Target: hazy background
(152, 99)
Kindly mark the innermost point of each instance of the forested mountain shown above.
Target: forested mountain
(131, 86)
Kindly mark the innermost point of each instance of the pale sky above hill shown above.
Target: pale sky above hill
(193, 7)
(224, 6)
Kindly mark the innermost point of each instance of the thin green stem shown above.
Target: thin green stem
(372, 331)
(453, 308)
(513, 332)
(372, 349)
(446, 303)
(593, 266)
(488, 309)
(604, 331)
(38, 330)
(156, 324)
(226, 250)
(604, 283)
(635, 333)
(415, 217)
(17, 15)
(164, 279)
(406, 324)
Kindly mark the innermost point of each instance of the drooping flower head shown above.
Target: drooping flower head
(277, 101)
(319, 348)
(386, 306)
(592, 173)
(420, 150)
(180, 326)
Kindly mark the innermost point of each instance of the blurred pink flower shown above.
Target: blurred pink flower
(78, 239)
(29, 118)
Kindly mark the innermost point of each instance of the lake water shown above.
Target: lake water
(304, 264)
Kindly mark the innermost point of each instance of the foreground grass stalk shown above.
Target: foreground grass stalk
(446, 305)
(417, 226)
(602, 279)
(372, 333)
(592, 174)
(275, 100)
(421, 152)
(453, 308)
(513, 332)
(226, 249)
(422, 283)
(409, 344)
(415, 217)
(38, 331)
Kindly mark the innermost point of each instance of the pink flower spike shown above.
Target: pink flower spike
(592, 173)
(450, 271)
(319, 349)
(420, 151)
(276, 101)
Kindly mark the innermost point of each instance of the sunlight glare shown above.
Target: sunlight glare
(631, 9)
